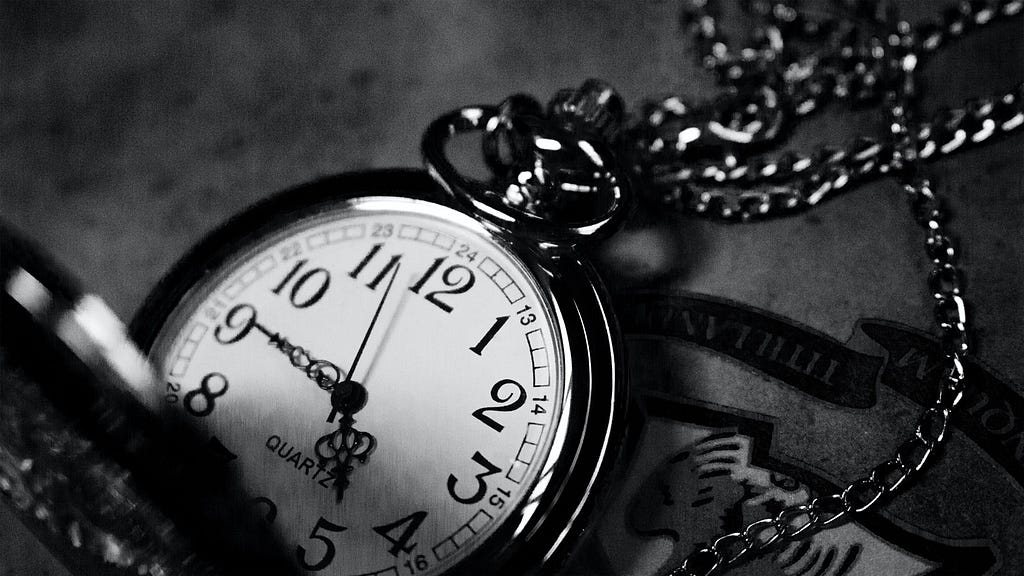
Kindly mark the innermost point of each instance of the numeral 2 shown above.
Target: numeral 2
(515, 400)
(481, 487)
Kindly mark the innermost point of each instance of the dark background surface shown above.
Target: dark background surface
(128, 131)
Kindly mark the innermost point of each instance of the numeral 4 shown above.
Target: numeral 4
(407, 527)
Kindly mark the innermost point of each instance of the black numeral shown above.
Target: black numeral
(317, 278)
(375, 282)
(401, 544)
(171, 397)
(516, 398)
(417, 564)
(321, 524)
(491, 333)
(218, 452)
(206, 406)
(270, 515)
(537, 408)
(415, 288)
(466, 252)
(457, 277)
(481, 487)
(242, 318)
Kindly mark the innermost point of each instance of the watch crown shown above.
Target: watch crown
(595, 108)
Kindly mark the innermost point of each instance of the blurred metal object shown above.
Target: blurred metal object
(60, 481)
(84, 458)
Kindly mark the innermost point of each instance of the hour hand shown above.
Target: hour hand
(241, 320)
(347, 447)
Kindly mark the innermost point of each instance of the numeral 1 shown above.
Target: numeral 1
(491, 333)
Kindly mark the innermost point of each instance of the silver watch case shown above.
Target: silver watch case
(540, 531)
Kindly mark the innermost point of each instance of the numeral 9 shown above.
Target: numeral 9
(242, 318)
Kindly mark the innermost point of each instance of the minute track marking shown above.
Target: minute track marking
(411, 339)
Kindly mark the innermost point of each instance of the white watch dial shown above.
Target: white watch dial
(463, 370)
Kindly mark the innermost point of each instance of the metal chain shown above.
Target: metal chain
(950, 315)
(707, 159)
(796, 181)
(844, 64)
(687, 155)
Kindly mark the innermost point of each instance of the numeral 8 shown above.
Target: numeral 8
(206, 394)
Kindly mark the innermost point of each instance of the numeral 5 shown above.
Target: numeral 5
(329, 552)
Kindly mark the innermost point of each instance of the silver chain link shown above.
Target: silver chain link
(906, 152)
(796, 181)
(709, 159)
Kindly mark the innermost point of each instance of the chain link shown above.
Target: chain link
(796, 181)
(710, 159)
(861, 495)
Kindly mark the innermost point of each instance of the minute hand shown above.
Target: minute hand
(373, 322)
(347, 399)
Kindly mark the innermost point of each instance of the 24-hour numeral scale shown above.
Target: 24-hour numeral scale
(452, 452)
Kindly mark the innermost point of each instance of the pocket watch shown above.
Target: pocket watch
(420, 374)
(410, 375)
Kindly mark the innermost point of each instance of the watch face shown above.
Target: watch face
(444, 327)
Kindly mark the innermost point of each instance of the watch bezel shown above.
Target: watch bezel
(542, 526)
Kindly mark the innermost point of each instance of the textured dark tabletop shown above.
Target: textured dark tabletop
(128, 131)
